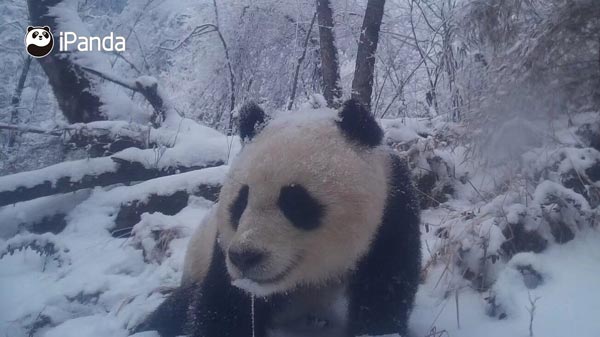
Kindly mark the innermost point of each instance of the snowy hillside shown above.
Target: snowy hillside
(94, 278)
(110, 159)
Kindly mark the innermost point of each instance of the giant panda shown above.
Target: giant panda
(315, 234)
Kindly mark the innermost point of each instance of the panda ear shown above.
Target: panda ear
(46, 28)
(251, 122)
(358, 125)
(29, 28)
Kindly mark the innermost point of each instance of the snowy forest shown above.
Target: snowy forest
(110, 159)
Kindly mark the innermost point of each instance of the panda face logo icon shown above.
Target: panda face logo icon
(39, 41)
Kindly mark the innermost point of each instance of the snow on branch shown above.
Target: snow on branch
(198, 31)
(145, 85)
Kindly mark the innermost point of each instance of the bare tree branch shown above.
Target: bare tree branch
(229, 67)
(29, 129)
(299, 63)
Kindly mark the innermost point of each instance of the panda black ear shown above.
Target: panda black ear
(358, 125)
(29, 28)
(252, 120)
(46, 28)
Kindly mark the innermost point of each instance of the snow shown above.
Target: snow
(75, 170)
(405, 129)
(102, 285)
(190, 145)
(89, 326)
(546, 190)
(28, 212)
(84, 282)
(567, 304)
(147, 81)
(116, 104)
(98, 212)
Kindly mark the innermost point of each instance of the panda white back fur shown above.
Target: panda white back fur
(317, 221)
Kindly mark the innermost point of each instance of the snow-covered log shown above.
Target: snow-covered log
(167, 195)
(119, 209)
(194, 147)
(102, 138)
(170, 203)
(88, 173)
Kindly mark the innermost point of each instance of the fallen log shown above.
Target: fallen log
(87, 173)
(170, 204)
(103, 138)
(120, 208)
(48, 214)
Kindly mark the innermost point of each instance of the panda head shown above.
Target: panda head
(39, 41)
(303, 199)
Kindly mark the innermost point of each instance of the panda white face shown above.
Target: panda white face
(301, 205)
(39, 41)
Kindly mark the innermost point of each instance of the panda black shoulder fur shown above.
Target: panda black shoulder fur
(316, 220)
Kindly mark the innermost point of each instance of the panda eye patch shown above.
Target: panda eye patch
(300, 207)
(239, 205)
(45, 34)
(35, 34)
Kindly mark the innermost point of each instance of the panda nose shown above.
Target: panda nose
(246, 259)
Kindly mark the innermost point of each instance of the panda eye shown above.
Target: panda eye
(300, 207)
(45, 34)
(35, 34)
(239, 205)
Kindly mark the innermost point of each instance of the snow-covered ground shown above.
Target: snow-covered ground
(567, 298)
(99, 286)
(86, 282)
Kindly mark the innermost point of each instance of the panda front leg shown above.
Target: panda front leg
(219, 309)
(381, 296)
(379, 306)
(383, 288)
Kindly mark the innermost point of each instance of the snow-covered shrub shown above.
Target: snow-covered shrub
(432, 170)
(154, 233)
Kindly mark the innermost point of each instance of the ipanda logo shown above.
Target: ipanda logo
(39, 42)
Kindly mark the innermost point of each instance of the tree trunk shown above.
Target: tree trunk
(16, 99)
(72, 87)
(329, 56)
(362, 85)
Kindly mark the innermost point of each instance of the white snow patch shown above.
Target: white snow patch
(567, 305)
(75, 170)
(28, 212)
(89, 326)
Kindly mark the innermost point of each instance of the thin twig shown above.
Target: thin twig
(299, 63)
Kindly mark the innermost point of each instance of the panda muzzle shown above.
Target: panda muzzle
(246, 259)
